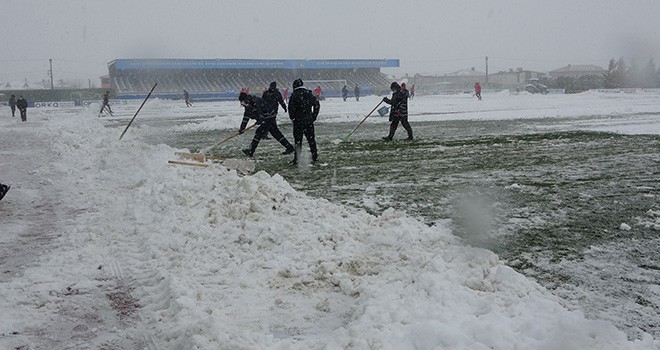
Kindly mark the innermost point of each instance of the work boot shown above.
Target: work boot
(289, 150)
(387, 138)
(410, 138)
(248, 152)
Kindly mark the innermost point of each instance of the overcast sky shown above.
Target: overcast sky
(428, 36)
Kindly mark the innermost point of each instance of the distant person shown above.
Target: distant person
(186, 97)
(403, 88)
(398, 112)
(477, 90)
(304, 108)
(22, 105)
(318, 93)
(286, 94)
(106, 103)
(412, 91)
(3, 190)
(256, 108)
(344, 93)
(12, 105)
(357, 92)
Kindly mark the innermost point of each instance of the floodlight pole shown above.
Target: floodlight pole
(50, 72)
(486, 69)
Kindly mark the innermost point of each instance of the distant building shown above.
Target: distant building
(577, 70)
(105, 82)
(223, 79)
(457, 81)
(22, 85)
(512, 79)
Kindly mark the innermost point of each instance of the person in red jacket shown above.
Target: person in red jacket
(318, 93)
(412, 91)
(477, 90)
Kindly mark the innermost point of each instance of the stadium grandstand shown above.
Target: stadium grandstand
(221, 79)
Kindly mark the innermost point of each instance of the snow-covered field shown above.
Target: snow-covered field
(105, 245)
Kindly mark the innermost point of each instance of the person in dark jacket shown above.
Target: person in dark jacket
(256, 108)
(398, 112)
(106, 103)
(12, 105)
(186, 98)
(22, 105)
(344, 92)
(403, 88)
(3, 190)
(273, 99)
(357, 92)
(304, 108)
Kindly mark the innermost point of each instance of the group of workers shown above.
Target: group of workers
(303, 111)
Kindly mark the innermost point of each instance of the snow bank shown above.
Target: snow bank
(217, 260)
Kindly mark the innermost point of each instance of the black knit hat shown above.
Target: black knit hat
(395, 86)
(297, 83)
(273, 85)
(242, 96)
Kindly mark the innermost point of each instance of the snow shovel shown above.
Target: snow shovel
(346, 138)
(201, 155)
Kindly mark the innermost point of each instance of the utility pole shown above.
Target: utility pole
(486, 69)
(50, 73)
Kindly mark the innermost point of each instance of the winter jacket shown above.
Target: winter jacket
(22, 104)
(12, 101)
(399, 102)
(304, 107)
(273, 98)
(255, 109)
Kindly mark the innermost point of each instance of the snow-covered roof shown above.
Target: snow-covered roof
(578, 68)
(22, 85)
(466, 73)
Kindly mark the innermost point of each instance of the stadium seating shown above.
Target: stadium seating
(227, 83)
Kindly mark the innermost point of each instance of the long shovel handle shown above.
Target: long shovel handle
(138, 111)
(205, 150)
(365, 118)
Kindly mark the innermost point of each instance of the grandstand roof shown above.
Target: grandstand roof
(140, 64)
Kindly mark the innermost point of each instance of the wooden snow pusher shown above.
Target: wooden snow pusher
(200, 159)
(201, 155)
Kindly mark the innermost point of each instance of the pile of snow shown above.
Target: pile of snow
(216, 260)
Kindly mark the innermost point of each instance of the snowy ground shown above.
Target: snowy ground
(105, 245)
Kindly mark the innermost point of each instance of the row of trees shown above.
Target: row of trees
(618, 75)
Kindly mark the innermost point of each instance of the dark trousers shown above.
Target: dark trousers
(24, 115)
(13, 111)
(269, 125)
(306, 129)
(395, 124)
(105, 105)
